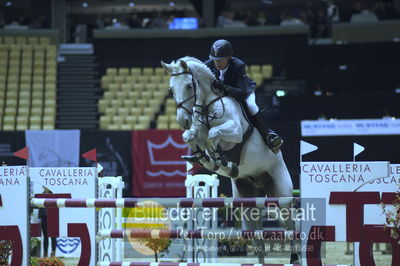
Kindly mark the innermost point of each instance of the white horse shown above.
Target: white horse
(217, 131)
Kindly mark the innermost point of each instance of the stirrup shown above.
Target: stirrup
(193, 159)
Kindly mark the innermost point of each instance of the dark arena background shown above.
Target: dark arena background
(79, 75)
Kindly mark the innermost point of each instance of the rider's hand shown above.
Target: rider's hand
(219, 85)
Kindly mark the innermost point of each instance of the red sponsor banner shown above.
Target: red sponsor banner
(158, 170)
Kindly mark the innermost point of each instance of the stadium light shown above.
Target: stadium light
(280, 93)
(267, 2)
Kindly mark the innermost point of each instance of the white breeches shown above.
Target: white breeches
(251, 104)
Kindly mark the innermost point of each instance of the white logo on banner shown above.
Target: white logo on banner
(152, 147)
(53, 148)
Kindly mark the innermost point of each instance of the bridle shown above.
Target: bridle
(204, 108)
(194, 86)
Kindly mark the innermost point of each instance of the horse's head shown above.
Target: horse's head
(190, 81)
(183, 87)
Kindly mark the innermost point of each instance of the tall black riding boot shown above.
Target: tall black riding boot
(272, 139)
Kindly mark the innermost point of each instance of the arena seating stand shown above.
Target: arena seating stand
(132, 97)
(135, 97)
(28, 71)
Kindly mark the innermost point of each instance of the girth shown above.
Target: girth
(233, 155)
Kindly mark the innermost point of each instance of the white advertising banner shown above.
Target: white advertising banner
(53, 148)
(360, 127)
(14, 209)
(79, 183)
(320, 179)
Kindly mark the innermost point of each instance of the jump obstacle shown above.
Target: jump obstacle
(193, 264)
(199, 264)
(193, 186)
(185, 203)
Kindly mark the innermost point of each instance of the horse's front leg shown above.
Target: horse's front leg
(191, 138)
(228, 132)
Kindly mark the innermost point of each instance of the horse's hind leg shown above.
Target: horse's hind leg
(248, 189)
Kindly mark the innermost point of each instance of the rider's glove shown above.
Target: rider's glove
(220, 85)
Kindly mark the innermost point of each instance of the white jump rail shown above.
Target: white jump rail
(223, 234)
(166, 202)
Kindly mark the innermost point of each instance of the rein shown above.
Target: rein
(204, 112)
(204, 108)
(180, 104)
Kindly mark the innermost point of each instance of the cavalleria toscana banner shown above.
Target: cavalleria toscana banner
(158, 170)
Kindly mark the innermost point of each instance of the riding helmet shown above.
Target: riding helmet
(221, 49)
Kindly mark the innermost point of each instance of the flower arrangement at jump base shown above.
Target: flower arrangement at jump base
(51, 261)
(393, 217)
(5, 251)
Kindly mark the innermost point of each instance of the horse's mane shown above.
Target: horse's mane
(198, 65)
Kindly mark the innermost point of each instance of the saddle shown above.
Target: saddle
(232, 155)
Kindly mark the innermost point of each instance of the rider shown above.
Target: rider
(232, 79)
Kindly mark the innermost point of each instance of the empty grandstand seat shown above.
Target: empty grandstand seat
(174, 125)
(21, 40)
(267, 71)
(49, 126)
(105, 122)
(44, 40)
(255, 68)
(123, 71)
(22, 123)
(135, 111)
(33, 40)
(9, 40)
(105, 81)
(136, 71)
(102, 105)
(128, 103)
(113, 127)
(127, 127)
(131, 120)
(146, 95)
(140, 127)
(123, 111)
(112, 71)
(126, 87)
(162, 125)
(160, 71)
(111, 111)
(141, 103)
(119, 79)
(117, 120)
(148, 71)
(133, 94)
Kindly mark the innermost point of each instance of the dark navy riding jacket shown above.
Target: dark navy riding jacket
(239, 85)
